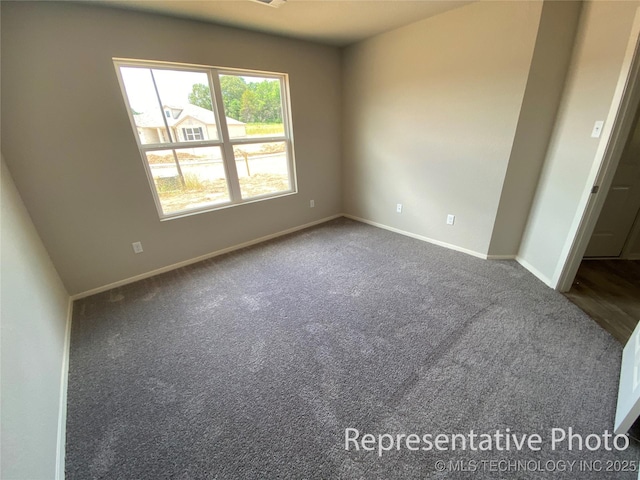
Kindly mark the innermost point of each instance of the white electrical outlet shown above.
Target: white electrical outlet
(137, 247)
(451, 219)
(399, 208)
(312, 203)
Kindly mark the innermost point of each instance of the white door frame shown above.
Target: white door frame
(614, 136)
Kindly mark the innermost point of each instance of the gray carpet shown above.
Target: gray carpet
(253, 364)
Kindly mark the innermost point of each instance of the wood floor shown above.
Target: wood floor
(609, 292)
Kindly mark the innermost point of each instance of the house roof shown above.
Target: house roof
(155, 119)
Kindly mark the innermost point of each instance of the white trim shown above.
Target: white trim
(62, 407)
(450, 246)
(184, 263)
(537, 273)
(614, 135)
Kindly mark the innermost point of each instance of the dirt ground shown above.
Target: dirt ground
(217, 192)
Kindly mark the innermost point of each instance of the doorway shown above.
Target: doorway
(618, 130)
(607, 284)
(617, 231)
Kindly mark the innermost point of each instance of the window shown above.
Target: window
(209, 137)
(192, 134)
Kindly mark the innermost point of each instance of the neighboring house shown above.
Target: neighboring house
(186, 122)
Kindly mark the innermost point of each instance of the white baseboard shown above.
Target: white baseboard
(184, 263)
(501, 257)
(62, 407)
(537, 273)
(450, 246)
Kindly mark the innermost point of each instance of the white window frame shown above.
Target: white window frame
(223, 141)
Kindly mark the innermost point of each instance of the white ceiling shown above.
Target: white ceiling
(334, 22)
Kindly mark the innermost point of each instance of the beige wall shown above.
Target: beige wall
(148, 135)
(68, 141)
(595, 67)
(211, 131)
(549, 66)
(34, 310)
(430, 115)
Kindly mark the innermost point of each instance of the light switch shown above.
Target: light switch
(597, 129)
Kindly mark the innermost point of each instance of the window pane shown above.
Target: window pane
(146, 112)
(172, 104)
(253, 106)
(186, 100)
(262, 168)
(200, 181)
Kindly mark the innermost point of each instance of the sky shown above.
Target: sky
(174, 86)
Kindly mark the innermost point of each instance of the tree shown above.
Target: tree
(201, 96)
(254, 102)
(273, 106)
(250, 109)
(233, 87)
(269, 109)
